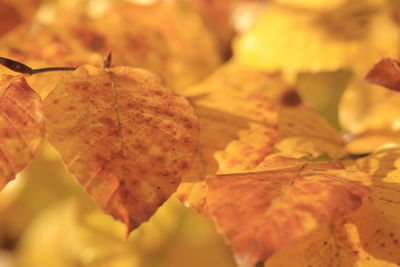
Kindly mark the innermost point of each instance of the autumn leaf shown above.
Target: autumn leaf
(386, 73)
(21, 126)
(220, 130)
(318, 39)
(238, 120)
(305, 134)
(245, 115)
(369, 107)
(365, 238)
(163, 45)
(384, 167)
(369, 141)
(126, 138)
(265, 211)
(47, 46)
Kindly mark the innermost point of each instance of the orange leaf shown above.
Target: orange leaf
(125, 137)
(386, 73)
(21, 126)
(263, 212)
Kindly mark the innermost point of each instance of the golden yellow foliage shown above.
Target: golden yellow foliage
(296, 40)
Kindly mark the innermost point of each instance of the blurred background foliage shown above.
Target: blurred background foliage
(321, 47)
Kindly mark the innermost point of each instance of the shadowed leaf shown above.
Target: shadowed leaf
(125, 137)
(21, 126)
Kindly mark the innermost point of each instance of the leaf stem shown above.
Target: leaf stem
(22, 68)
(35, 71)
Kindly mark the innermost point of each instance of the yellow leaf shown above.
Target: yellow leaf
(369, 141)
(263, 212)
(163, 37)
(364, 239)
(21, 126)
(305, 134)
(125, 137)
(384, 167)
(367, 107)
(300, 40)
(47, 46)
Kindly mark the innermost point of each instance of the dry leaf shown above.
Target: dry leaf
(41, 47)
(125, 137)
(365, 107)
(21, 125)
(369, 141)
(263, 212)
(386, 73)
(305, 134)
(363, 239)
(238, 121)
(163, 37)
(220, 130)
(384, 167)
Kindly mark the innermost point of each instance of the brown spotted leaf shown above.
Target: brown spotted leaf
(265, 211)
(21, 125)
(386, 73)
(125, 137)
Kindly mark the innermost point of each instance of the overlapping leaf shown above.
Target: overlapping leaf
(369, 141)
(263, 212)
(21, 126)
(238, 117)
(303, 133)
(126, 138)
(363, 239)
(384, 167)
(240, 111)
